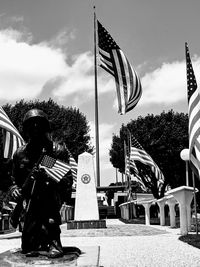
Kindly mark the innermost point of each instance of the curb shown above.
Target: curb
(12, 235)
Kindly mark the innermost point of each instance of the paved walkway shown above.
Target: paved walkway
(121, 245)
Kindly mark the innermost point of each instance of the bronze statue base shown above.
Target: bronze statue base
(15, 258)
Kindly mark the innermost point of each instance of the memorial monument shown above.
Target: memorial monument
(86, 206)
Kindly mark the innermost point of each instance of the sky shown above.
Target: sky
(47, 51)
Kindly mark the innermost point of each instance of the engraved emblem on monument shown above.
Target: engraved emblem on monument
(85, 178)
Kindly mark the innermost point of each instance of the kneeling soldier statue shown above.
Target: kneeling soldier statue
(34, 189)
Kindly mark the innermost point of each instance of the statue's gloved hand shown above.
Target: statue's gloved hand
(16, 192)
(37, 173)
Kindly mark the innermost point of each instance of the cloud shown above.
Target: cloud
(80, 82)
(105, 141)
(62, 38)
(25, 68)
(78, 78)
(29, 69)
(105, 136)
(167, 84)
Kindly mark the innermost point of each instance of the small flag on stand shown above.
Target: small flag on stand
(11, 137)
(114, 61)
(194, 115)
(55, 168)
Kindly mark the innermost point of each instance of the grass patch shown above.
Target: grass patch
(191, 239)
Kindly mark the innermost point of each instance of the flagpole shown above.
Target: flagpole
(96, 105)
(116, 175)
(195, 203)
(129, 180)
(125, 174)
(129, 138)
(122, 178)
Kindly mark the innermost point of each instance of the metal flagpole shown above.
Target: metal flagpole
(125, 159)
(130, 144)
(122, 178)
(195, 203)
(116, 175)
(96, 105)
(129, 178)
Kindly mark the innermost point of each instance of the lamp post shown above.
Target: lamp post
(185, 156)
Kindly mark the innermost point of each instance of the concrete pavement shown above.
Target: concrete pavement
(123, 245)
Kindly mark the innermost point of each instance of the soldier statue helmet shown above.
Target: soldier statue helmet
(36, 116)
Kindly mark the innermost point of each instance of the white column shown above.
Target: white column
(161, 204)
(189, 217)
(184, 196)
(171, 202)
(147, 212)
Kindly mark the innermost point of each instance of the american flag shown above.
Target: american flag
(74, 167)
(55, 168)
(131, 166)
(139, 154)
(194, 115)
(11, 137)
(114, 61)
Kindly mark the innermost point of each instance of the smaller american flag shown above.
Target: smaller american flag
(55, 168)
(131, 166)
(11, 137)
(74, 167)
(139, 154)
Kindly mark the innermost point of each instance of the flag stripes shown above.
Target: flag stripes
(140, 182)
(130, 165)
(55, 168)
(139, 154)
(74, 167)
(11, 137)
(143, 157)
(10, 143)
(194, 114)
(114, 61)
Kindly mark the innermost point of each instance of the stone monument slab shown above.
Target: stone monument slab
(86, 213)
(86, 206)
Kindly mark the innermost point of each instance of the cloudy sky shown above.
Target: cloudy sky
(47, 48)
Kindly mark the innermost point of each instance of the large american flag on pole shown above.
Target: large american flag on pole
(11, 137)
(194, 115)
(114, 61)
(139, 154)
(55, 168)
